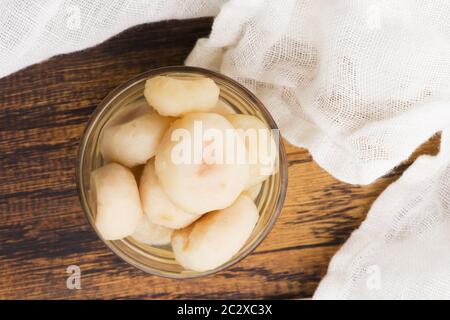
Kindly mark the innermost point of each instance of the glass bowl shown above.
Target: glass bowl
(159, 260)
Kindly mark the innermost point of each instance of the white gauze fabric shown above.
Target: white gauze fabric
(35, 30)
(401, 251)
(361, 84)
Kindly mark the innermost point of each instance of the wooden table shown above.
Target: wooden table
(43, 111)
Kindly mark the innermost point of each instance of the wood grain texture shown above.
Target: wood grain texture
(43, 112)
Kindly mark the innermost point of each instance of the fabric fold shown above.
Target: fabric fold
(401, 250)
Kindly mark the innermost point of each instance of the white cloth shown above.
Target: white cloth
(402, 249)
(35, 30)
(361, 84)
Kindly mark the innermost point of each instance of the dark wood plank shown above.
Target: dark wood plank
(43, 112)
